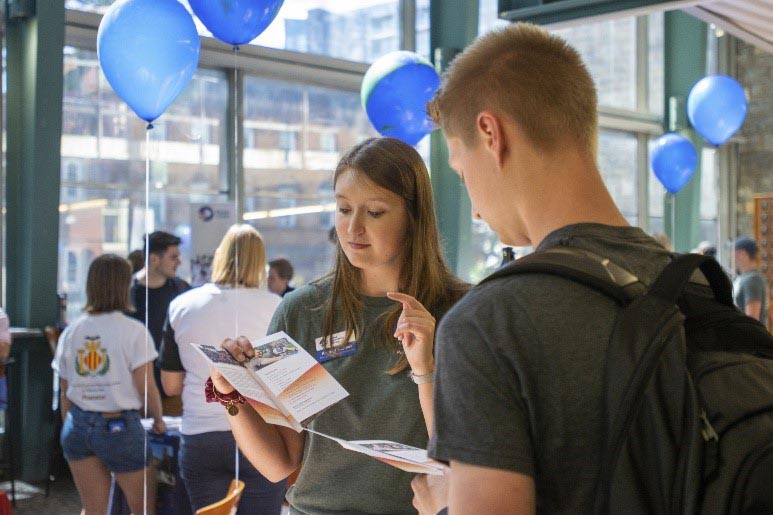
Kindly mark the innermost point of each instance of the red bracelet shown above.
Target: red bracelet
(229, 400)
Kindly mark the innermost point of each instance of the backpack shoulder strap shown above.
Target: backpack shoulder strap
(672, 280)
(580, 266)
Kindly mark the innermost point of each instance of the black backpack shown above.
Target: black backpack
(688, 388)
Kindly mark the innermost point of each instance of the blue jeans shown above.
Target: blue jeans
(87, 433)
(207, 468)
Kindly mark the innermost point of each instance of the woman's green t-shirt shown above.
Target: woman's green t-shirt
(379, 407)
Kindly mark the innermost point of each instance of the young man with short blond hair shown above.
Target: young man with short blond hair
(520, 360)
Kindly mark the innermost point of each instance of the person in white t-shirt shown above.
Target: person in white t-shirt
(105, 360)
(208, 314)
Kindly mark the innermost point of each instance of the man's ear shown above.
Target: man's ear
(492, 133)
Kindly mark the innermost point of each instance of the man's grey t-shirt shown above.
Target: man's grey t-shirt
(749, 287)
(520, 366)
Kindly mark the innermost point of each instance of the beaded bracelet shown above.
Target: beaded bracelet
(229, 400)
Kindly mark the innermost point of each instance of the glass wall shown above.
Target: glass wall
(609, 50)
(356, 31)
(294, 135)
(103, 167)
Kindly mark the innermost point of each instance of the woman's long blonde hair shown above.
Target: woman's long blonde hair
(240, 259)
(397, 167)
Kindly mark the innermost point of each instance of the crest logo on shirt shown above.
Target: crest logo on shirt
(92, 359)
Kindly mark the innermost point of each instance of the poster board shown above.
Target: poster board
(209, 223)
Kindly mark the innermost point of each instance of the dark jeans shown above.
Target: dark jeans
(207, 468)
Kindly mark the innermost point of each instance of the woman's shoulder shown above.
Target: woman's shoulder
(310, 295)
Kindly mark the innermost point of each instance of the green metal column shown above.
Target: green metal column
(453, 25)
(34, 47)
(684, 64)
(34, 127)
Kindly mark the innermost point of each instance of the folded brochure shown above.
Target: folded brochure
(286, 386)
(404, 457)
(283, 382)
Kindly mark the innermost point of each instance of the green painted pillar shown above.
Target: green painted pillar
(685, 63)
(34, 130)
(453, 25)
(34, 51)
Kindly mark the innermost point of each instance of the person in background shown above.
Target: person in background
(388, 242)
(280, 273)
(5, 351)
(750, 289)
(160, 285)
(5, 336)
(104, 361)
(137, 260)
(208, 314)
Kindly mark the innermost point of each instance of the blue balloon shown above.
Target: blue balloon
(148, 50)
(395, 92)
(674, 160)
(236, 22)
(716, 107)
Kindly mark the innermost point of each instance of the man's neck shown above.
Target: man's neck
(151, 280)
(568, 190)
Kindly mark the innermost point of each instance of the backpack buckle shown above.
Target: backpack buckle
(707, 431)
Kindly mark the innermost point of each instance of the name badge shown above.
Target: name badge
(335, 347)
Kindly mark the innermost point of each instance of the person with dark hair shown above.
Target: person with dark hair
(104, 364)
(376, 342)
(280, 273)
(750, 289)
(160, 285)
(137, 260)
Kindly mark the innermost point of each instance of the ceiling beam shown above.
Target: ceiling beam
(730, 27)
(563, 12)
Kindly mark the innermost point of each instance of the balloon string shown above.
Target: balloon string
(147, 289)
(673, 219)
(237, 216)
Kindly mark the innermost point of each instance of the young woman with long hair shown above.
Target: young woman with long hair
(371, 323)
(208, 314)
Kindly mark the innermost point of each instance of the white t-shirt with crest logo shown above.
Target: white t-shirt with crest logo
(97, 354)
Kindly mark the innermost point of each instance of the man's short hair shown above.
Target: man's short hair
(747, 244)
(159, 241)
(524, 73)
(283, 268)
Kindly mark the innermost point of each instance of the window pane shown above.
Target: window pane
(103, 167)
(657, 196)
(94, 221)
(617, 163)
(709, 196)
(488, 16)
(609, 50)
(293, 137)
(656, 84)
(422, 29)
(357, 31)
